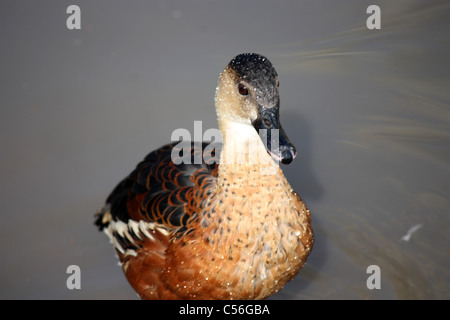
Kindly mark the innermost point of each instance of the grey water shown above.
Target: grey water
(367, 109)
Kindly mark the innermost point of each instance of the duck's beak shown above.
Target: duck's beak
(275, 139)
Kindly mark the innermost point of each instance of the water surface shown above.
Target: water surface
(368, 111)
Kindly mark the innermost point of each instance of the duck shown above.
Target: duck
(227, 227)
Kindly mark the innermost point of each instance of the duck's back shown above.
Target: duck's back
(152, 207)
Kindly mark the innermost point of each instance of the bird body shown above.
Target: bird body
(230, 227)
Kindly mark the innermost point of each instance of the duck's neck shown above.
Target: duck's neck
(251, 193)
(244, 152)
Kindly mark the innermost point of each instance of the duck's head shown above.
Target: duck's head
(247, 93)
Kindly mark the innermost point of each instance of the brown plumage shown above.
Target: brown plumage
(234, 230)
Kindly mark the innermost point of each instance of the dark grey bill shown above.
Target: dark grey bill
(282, 150)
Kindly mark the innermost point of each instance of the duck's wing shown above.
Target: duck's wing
(160, 196)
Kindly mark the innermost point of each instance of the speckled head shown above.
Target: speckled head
(257, 71)
(248, 93)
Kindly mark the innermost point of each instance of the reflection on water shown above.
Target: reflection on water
(367, 110)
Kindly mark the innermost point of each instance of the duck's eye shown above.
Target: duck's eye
(242, 89)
